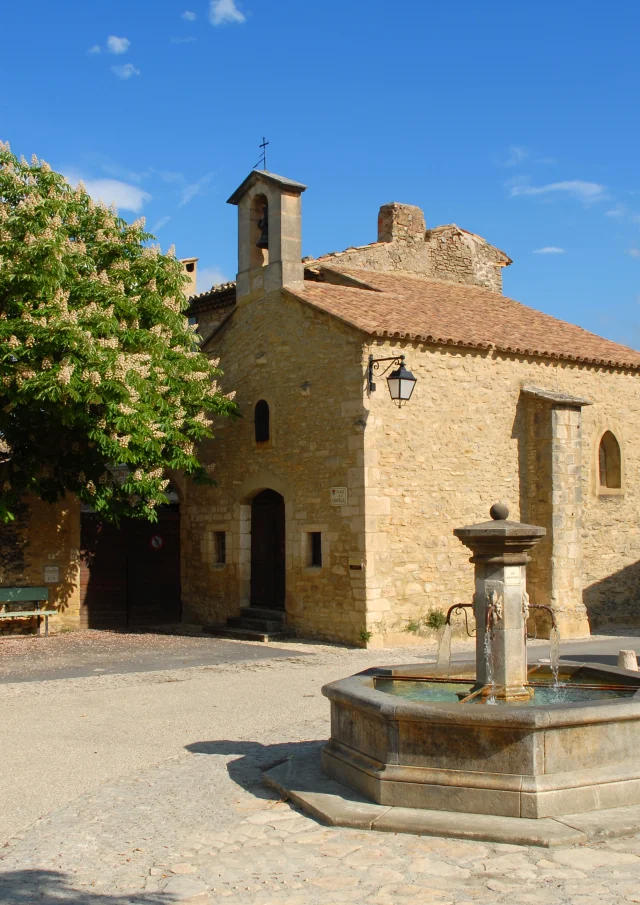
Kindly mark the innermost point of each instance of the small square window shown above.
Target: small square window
(314, 549)
(219, 548)
(193, 321)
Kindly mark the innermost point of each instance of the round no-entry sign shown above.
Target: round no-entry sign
(157, 542)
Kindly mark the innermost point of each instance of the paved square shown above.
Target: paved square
(145, 788)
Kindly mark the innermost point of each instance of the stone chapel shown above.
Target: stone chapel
(334, 507)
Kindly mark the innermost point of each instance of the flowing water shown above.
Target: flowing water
(554, 653)
(443, 662)
(488, 659)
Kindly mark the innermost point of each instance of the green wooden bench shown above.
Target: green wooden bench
(29, 595)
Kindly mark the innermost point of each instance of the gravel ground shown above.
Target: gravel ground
(63, 737)
(145, 788)
(75, 654)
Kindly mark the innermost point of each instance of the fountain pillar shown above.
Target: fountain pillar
(500, 554)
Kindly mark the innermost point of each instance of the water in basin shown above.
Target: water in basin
(448, 692)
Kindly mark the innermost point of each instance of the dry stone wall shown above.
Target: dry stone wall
(443, 253)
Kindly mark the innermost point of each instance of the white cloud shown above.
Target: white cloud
(117, 171)
(188, 16)
(95, 49)
(516, 154)
(549, 250)
(222, 12)
(634, 252)
(618, 210)
(159, 224)
(586, 192)
(126, 197)
(208, 277)
(170, 176)
(190, 191)
(118, 45)
(125, 72)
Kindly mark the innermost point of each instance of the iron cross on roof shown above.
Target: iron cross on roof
(263, 155)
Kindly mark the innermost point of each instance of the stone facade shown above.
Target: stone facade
(482, 425)
(316, 443)
(470, 436)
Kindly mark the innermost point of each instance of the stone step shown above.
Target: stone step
(243, 634)
(259, 612)
(256, 624)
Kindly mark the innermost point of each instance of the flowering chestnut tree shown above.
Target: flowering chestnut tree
(98, 364)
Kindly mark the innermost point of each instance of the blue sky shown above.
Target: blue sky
(516, 120)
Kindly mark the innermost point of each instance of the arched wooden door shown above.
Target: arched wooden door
(267, 551)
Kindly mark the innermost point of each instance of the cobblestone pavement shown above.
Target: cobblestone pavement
(199, 827)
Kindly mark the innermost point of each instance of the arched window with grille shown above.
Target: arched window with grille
(609, 463)
(261, 421)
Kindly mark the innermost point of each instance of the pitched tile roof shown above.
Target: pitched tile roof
(218, 296)
(403, 306)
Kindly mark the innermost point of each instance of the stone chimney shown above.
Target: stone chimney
(269, 234)
(400, 221)
(190, 268)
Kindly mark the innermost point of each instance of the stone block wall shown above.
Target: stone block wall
(210, 318)
(43, 535)
(310, 371)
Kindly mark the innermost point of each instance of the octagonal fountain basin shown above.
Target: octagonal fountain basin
(406, 739)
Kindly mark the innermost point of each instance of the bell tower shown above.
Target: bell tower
(269, 233)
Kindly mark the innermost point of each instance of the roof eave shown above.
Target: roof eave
(289, 185)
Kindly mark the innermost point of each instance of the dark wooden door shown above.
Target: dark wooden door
(103, 574)
(267, 550)
(153, 569)
(130, 575)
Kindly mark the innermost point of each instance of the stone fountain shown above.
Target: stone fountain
(499, 741)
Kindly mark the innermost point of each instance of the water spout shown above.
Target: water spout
(443, 661)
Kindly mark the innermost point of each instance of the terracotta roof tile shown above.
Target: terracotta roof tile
(410, 307)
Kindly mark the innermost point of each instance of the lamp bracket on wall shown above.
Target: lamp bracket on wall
(374, 365)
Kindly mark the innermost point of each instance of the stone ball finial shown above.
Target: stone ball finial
(499, 512)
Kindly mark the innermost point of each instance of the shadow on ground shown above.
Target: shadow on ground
(608, 659)
(253, 759)
(48, 887)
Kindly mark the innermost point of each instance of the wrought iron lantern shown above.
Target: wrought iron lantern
(401, 382)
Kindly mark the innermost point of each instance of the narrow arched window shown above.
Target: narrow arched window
(609, 462)
(262, 421)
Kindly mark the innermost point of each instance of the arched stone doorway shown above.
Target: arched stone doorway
(268, 551)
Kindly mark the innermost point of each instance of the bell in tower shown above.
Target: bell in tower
(263, 226)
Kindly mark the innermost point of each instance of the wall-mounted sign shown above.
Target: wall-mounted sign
(157, 542)
(52, 574)
(338, 496)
